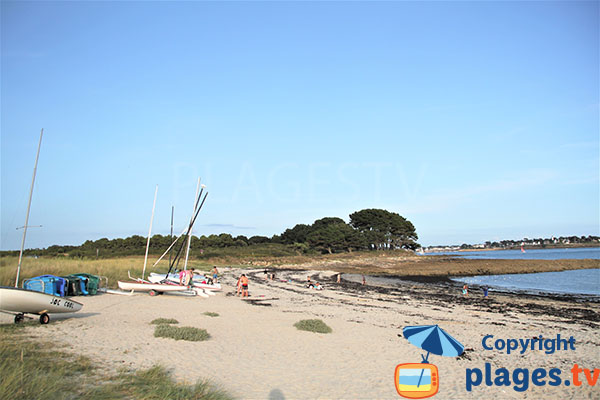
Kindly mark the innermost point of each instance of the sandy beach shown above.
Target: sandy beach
(255, 352)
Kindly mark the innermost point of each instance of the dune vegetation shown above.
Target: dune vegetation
(30, 369)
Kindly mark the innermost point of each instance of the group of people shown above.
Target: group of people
(311, 285)
(465, 291)
(186, 276)
(269, 275)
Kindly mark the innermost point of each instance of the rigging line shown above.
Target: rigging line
(191, 224)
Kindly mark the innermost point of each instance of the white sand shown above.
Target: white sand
(255, 352)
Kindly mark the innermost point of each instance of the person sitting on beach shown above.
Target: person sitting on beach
(244, 282)
(318, 286)
(465, 291)
(309, 283)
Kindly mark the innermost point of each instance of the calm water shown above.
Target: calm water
(537, 254)
(581, 281)
(578, 282)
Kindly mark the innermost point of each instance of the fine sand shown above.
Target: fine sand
(255, 352)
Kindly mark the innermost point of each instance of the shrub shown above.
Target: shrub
(313, 325)
(181, 333)
(160, 321)
(211, 314)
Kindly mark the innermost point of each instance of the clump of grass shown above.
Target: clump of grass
(156, 383)
(32, 370)
(181, 333)
(160, 321)
(313, 325)
(211, 314)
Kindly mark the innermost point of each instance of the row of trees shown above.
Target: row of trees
(370, 229)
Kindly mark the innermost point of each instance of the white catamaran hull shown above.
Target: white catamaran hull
(148, 287)
(154, 277)
(28, 301)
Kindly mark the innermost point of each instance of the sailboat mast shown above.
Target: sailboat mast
(149, 232)
(28, 208)
(171, 237)
(187, 250)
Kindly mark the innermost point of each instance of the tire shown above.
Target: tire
(44, 319)
(153, 293)
(19, 318)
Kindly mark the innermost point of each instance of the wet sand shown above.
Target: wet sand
(255, 352)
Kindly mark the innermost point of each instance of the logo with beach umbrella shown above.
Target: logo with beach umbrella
(421, 380)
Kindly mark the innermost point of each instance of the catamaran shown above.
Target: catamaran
(19, 301)
(152, 288)
(155, 285)
(197, 282)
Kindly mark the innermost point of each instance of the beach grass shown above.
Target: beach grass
(160, 321)
(155, 384)
(30, 369)
(181, 333)
(313, 325)
(114, 269)
(211, 314)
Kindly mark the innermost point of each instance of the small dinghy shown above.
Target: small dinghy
(23, 301)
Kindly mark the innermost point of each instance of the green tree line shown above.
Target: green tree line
(369, 229)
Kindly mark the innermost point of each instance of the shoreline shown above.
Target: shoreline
(447, 283)
(437, 267)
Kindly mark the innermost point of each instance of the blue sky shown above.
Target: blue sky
(475, 120)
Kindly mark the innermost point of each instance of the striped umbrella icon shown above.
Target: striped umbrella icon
(432, 339)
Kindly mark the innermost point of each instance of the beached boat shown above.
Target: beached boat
(197, 282)
(152, 288)
(24, 301)
(21, 301)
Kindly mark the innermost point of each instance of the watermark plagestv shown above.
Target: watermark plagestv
(521, 378)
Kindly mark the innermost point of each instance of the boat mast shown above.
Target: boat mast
(187, 250)
(149, 232)
(28, 208)
(171, 237)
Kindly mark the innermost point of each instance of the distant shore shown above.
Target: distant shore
(526, 247)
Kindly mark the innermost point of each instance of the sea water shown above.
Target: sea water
(578, 282)
(574, 282)
(578, 253)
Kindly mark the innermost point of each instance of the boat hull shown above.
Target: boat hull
(147, 287)
(28, 301)
(154, 277)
